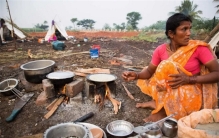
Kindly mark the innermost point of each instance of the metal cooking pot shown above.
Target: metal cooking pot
(36, 71)
(65, 130)
(70, 129)
(61, 77)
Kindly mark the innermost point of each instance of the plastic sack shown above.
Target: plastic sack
(187, 125)
(58, 45)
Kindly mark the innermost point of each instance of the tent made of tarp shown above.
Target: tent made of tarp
(17, 30)
(52, 30)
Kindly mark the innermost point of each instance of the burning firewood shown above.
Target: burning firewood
(100, 95)
(55, 107)
(116, 104)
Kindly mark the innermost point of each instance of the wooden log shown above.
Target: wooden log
(55, 107)
(49, 107)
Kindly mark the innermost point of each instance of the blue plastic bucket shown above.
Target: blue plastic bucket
(94, 53)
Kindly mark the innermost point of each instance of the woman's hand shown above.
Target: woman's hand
(178, 80)
(129, 75)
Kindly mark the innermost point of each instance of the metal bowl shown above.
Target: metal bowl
(7, 85)
(36, 71)
(67, 130)
(120, 128)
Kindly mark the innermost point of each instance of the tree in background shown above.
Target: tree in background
(86, 23)
(106, 26)
(188, 9)
(42, 26)
(119, 27)
(68, 28)
(206, 24)
(74, 20)
(159, 25)
(133, 18)
(217, 6)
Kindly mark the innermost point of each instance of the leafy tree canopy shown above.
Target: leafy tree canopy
(74, 20)
(42, 26)
(86, 23)
(133, 18)
(106, 26)
(159, 25)
(207, 24)
(217, 6)
(118, 27)
(188, 8)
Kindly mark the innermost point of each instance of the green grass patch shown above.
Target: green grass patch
(149, 36)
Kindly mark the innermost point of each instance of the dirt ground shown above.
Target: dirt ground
(31, 121)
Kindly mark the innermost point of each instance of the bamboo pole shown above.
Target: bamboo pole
(12, 25)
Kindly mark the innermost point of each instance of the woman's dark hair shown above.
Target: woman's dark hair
(174, 21)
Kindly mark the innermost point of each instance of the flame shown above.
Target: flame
(64, 90)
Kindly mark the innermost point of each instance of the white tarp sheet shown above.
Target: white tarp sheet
(16, 31)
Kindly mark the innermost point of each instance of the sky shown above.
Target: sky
(28, 13)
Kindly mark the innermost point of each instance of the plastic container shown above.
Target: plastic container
(96, 47)
(94, 53)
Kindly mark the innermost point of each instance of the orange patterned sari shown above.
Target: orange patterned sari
(185, 99)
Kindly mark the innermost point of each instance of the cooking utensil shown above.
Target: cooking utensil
(154, 132)
(84, 118)
(101, 77)
(67, 130)
(92, 126)
(169, 128)
(142, 129)
(61, 77)
(36, 71)
(18, 93)
(70, 129)
(18, 106)
(120, 128)
(7, 85)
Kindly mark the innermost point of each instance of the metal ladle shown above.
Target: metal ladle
(143, 129)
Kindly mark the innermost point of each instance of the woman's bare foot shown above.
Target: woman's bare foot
(151, 104)
(157, 116)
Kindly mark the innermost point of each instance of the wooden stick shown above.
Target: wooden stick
(116, 104)
(128, 92)
(54, 108)
(49, 107)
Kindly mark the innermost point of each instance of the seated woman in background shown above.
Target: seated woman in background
(52, 38)
(182, 76)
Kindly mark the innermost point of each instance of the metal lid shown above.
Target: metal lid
(60, 75)
(101, 77)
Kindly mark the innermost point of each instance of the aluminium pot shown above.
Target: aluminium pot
(61, 77)
(70, 129)
(36, 71)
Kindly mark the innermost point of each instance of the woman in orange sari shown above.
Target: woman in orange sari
(182, 76)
